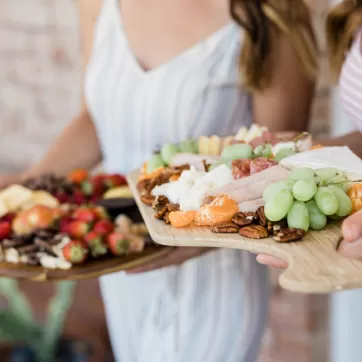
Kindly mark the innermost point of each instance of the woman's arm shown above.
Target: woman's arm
(78, 145)
(285, 104)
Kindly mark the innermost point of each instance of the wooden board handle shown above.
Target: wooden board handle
(318, 268)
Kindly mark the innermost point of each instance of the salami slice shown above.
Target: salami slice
(241, 168)
(260, 164)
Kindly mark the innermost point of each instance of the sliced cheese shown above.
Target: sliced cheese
(14, 196)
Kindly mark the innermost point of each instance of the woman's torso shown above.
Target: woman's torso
(350, 84)
(135, 111)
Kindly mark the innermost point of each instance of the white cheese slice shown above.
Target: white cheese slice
(341, 158)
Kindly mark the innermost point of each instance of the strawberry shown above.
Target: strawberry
(62, 197)
(101, 212)
(79, 198)
(103, 227)
(115, 180)
(85, 214)
(117, 243)
(96, 244)
(76, 251)
(77, 229)
(78, 176)
(92, 187)
(5, 229)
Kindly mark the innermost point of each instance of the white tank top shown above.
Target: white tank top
(135, 111)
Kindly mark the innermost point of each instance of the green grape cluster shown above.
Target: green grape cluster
(308, 198)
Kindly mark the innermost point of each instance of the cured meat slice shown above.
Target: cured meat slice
(261, 164)
(252, 187)
(240, 168)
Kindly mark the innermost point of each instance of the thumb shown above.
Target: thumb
(352, 227)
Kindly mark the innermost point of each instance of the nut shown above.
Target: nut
(173, 207)
(261, 215)
(274, 227)
(225, 228)
(147, 199)
(166, 218)
(206, 165)
(244, 218)
(254, 232)
(287, 235)
(159, 203)
(161, 213)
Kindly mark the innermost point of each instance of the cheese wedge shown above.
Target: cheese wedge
(214, 146)
(14, 196)
(41, 198)
(118, 192)
(204, 145)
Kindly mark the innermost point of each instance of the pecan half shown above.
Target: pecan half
(287, 235)
(147, 199)
(254, 232)
(166, 218)
(261, 215)
(206, 165)
(159, 203)
(161, 213)
(225, 228)
(244, 218)
(274, 227)
(173, 207)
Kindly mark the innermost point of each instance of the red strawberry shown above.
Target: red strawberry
(77, 229)
(76, 251)
(96, 244)
(62, 197)
(103, 227)
(5, 229)
(85, 214)
(115, 180)
(117, 243)
(95, 186)
(101, 212)
(78, 175)
(79, 198)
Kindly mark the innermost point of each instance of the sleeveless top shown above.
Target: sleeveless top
(135, 111)
(350, 84)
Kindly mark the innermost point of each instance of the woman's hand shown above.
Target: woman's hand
(351, 245)
(272, 261)
(175, 256)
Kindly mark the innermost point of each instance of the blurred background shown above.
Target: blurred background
(39, 93)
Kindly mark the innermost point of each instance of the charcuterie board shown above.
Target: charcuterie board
(90, 270)
(314, 264)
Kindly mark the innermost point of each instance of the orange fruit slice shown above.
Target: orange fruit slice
(181, 219)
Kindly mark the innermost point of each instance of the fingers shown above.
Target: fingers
(272, 261)
(352, 227)
(351, 250)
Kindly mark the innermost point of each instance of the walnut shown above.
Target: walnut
(173, 207)
(159, 203)
(147, 199)
(161, 213)
(261, 215)
(287, 235)
(244, 218)
(225, 228)
(254, 232)
(166, 218)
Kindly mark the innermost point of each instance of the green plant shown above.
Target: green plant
(17, 323)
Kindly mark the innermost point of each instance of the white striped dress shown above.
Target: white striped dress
(350, 85)
(212, 308)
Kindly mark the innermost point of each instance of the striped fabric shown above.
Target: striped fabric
(212, 308)
(350, 85)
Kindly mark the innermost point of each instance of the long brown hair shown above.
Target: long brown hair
(342, 23)
(261, 19)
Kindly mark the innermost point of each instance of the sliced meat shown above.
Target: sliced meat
(251, 206)
(252, 187)
(240, 168)
(260, 164)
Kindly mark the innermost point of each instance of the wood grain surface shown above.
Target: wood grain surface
(89, 270)
(314, 264)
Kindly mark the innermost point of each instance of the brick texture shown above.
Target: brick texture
(40, 85)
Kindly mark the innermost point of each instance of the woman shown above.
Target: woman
(163, 71)
(344, 32)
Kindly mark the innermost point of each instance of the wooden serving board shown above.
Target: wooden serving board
(90, 270)
(314, 264)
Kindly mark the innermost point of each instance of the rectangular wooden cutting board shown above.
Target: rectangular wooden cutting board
(314, 264)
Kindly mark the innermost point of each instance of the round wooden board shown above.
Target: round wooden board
(90, 270)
